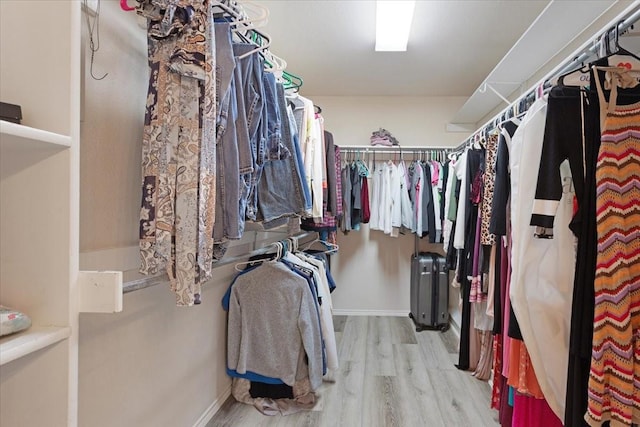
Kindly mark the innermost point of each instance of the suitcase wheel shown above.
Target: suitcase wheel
(419, 328)
(444, 327)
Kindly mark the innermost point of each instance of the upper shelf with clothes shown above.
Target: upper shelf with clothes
(603, 45)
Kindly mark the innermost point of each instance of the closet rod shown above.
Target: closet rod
(587, 53)
(302, 239)
(582, 54)
(394, 148)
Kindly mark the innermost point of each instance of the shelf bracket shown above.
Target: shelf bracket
(100, 291)
(486, 85)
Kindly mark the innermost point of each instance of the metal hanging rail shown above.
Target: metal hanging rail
(301, 239)
(433, 152)
(582, 54)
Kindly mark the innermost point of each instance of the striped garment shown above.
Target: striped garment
(614, 381)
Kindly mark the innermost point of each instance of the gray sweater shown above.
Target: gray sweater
(273, 322)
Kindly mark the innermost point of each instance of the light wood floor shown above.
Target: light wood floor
(389, 375)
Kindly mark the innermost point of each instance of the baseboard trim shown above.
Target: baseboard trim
(393, 313)
(213, 409)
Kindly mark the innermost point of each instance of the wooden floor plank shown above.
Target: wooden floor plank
(379, 357)
(381, 406)
(434, 351)
(450, 401)
(339, 322)
(353, 345)
(415, 386)
(343, 400)
(385, 380)
(402, 330)
(479, 393)
(450, 340)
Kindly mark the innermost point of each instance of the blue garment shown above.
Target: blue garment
(280, 193)
(275, 150)
(297, 152)
(250, 70)
(313, 286)
(228, 224)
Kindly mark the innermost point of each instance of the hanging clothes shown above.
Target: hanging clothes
(376, 195)
(178, 147)
(345, 224)
(272, 301)
(332, 194)
(542, 268)
(450, 200)
(474, 158)
(406, 209)
(614, 393)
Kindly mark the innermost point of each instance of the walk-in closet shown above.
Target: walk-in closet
(319, 213)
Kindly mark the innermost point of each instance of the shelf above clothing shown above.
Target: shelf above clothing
(14, 136)
(23, 343)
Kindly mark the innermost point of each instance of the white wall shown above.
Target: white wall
(156, 364)
(372, 270)
(413, 120)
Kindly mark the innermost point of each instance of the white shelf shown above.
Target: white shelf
(17, 345)
(15, 136)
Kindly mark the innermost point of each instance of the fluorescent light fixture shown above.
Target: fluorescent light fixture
(393, 24)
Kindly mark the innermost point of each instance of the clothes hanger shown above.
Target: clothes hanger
(629, 60)
(241, 21)
(278, 255)
(618, 57)
(330, 248)
(293, 81)
(124, 6)
(260, 47)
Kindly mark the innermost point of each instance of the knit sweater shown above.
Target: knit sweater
(273, 323)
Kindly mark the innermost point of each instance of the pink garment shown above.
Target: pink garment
(506, 348)
(492, 282)
(417, 202)
(531, 412)
(476, 294)
(435, 173)
(375, 140)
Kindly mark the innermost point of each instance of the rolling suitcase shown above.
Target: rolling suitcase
(429, 291)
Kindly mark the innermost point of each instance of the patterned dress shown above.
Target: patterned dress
(614, 382)
(178, 148)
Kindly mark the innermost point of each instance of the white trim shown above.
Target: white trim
(545, 207)
(392, 313)
(213, 409)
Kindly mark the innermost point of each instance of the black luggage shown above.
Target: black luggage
(429, 291)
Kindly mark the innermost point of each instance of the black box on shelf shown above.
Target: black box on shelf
(10, 112)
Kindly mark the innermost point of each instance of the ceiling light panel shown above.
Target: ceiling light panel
(393, 24)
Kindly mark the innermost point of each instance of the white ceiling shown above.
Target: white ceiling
(454, 46)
